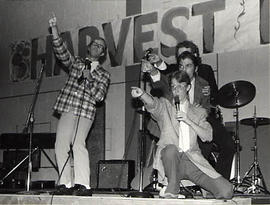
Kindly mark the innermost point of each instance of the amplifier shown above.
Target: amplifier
(115, 174)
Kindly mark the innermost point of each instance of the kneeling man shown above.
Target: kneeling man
(178, 155)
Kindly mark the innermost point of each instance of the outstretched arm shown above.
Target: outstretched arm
(60, 48)
(146, 98)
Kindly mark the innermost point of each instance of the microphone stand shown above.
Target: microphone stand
(29, 127)
(141, 193)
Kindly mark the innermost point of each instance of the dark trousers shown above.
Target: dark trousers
(225, 145)
(177, 166)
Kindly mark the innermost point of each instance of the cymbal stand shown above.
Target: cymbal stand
(257, 177)
(237, 180)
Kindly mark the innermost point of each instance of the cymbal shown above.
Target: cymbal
(236, 94)
(255, 121)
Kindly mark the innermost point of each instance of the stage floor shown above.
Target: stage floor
(119, 198)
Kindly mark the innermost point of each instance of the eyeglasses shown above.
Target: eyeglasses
(179, 86)
(100, 46)
(187, 66)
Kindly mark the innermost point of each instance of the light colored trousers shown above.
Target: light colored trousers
(65, 135)
(178, 166)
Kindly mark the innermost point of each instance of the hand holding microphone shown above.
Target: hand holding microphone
(177, 108)
(147, 54)
(180, 115)
(86, 72)
(146, 66)
(149, 61)
(177, 103)
(152, 57)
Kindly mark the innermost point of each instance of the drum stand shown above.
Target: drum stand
(234, 95)
(253, 182)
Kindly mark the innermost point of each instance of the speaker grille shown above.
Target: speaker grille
(115, 174)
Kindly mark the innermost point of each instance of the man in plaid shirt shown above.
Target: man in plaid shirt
(86, 85)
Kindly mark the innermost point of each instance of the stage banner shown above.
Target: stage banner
(216, 26)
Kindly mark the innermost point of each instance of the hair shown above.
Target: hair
(180, 76)
(187, 54)
(101, 59)
(188, 44)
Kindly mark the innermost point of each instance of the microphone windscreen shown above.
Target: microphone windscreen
(147, 52)
(87, 63)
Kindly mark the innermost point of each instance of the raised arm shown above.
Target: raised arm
(146, 98)
(59, 46)
(159, 82)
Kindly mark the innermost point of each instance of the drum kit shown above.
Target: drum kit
(235, 95)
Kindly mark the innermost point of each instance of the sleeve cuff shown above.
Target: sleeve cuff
(153, 107)
(57, 41)
(156, 77)
(162, 66)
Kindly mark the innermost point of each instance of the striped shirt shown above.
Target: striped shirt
(80, 98)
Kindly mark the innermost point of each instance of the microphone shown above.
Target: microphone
(87, 66)
(147, 52)
(177, 103)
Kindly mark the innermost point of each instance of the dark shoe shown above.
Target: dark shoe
(80, 190)
(62, 190)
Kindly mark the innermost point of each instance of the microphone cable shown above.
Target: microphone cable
(70, 153)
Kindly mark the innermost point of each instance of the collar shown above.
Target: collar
(192, 82)
(94, 65)
(184, 105)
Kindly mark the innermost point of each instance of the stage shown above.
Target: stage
(120, 198)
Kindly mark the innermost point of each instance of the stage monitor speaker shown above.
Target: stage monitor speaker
(115, 174)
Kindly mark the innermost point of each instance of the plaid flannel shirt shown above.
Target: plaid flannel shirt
(81, 98)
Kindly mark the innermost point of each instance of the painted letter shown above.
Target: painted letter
(168, 28)
(264, 21)
(207, 9)
(116, 54)
(90, 31)
(142, 37)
